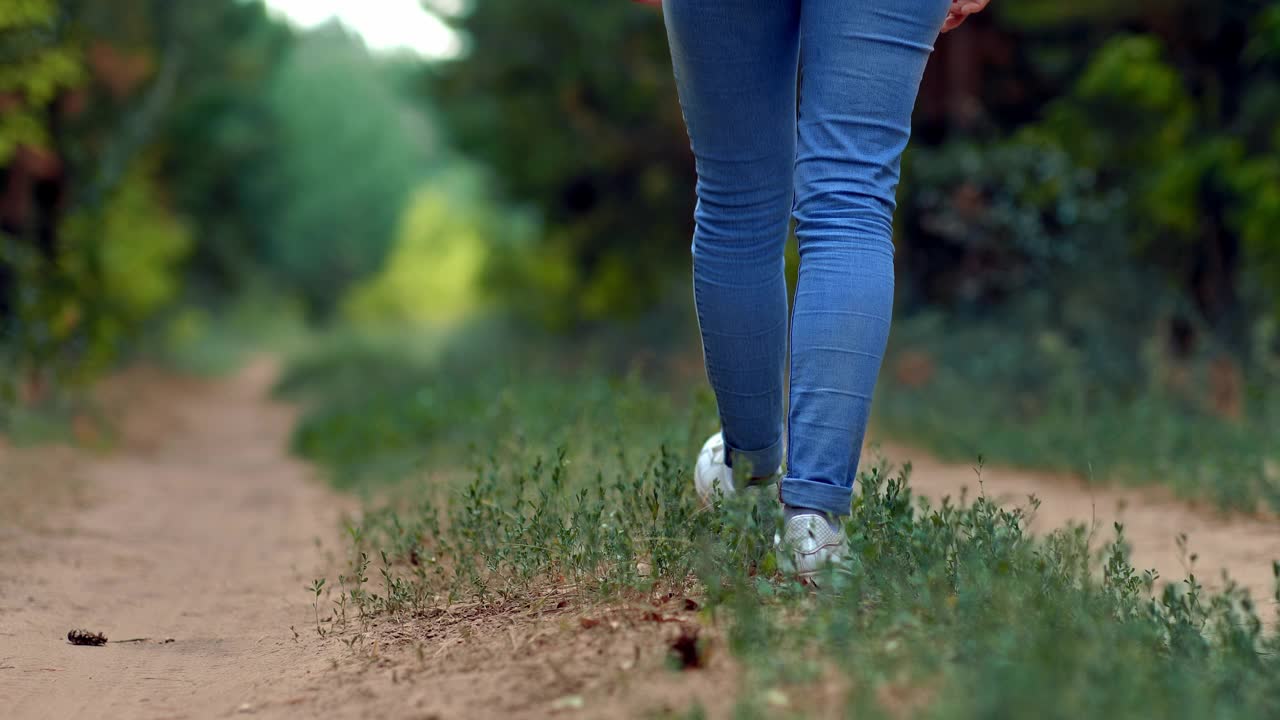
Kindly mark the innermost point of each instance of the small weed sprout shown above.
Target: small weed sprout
(316, 587)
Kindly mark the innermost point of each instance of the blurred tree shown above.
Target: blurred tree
(1193, 141)
(219, 134)
(573, 107)
(349, 151)
(1167, 110)
(121, 261)
(91, 246)
(38, 65)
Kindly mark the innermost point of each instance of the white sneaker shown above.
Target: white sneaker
(712, 478)
(810, 544)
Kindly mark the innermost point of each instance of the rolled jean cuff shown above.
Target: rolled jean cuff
(759, 463)
(815, 495)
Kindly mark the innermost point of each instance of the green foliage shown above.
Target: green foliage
(1256, 213)
(1031, 217)
(23, 13)
(432, 274)
(95, 248)
(1148, 184)
(118, 266)
(40, 78)
(574, 109)
(218, 136)
(1137, 98)
(1127, 239)
(1065, 400)
(17, 130)
(350, 152)
(35, 65)
(1195, 163)
(125, 255)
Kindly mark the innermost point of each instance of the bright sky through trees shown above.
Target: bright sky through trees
(385, 25)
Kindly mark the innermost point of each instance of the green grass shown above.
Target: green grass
(381, 408)
(548, 469)
(1039, 403)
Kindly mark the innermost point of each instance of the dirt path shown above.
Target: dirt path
(200, 528)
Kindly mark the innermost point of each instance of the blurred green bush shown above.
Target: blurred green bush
(574, 109)
(349, 154)
(431, 276)
(136, 134)
(118, 265)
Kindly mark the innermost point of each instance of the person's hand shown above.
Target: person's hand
(960, 11)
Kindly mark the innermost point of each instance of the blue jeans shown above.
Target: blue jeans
(835, 165)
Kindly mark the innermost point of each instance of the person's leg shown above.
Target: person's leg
(861, 64)
(735, 65)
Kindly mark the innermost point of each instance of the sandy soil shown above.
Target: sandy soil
(198, 528)
(199, 532)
